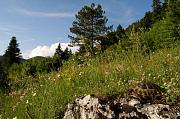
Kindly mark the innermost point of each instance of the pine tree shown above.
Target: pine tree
(58, 51)
(147, 21)
(66, 54)
(12, 54)
(156, 10)
(90, 23)
(57, 57)
(120, 32)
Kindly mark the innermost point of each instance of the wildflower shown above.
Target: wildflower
(80, 73)
(15, 117)
(177, 57)
(58, 75)
(27, 101)
(34, 94)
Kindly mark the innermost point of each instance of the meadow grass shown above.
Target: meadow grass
(112, 72)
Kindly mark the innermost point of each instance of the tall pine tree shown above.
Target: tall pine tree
(12, 54)
(89, 25)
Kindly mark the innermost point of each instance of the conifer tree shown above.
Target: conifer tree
(58, 57)
(66, 54)
(12, 54)
(156, 10)
(147, 21)
(58, 51)
(89, 25)
(120, 32)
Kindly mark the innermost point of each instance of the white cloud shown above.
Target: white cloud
(47, 50)
(45, 14)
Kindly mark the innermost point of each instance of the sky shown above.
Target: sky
(39, 25)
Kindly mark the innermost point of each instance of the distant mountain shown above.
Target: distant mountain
(34, 58)
(37, 58)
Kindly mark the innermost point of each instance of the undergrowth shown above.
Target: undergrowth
(112, 72)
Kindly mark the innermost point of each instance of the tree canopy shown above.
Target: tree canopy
(12, 54)
(89, 24)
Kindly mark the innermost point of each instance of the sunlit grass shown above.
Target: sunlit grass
(47, 95)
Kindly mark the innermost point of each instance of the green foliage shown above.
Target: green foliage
(89, 25)
(156, 10)
(58, 57)
(47, 90)
(66, 54)
(4, 82)
(112, 72)
(112, 37)
(163, 34)
(12, 54)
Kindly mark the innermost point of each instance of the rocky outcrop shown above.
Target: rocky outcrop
(112, 107)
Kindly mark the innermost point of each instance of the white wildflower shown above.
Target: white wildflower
(14, 118)
(177, 57)
(80, 73)
(58, 75)
(27, 101)
(34, 94)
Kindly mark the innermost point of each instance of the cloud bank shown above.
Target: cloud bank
(45, 14)
(47, 50)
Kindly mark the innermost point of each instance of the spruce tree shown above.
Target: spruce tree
(58, 51)
(66, 54)
(89, 25)
(12, 54)
(58, 57)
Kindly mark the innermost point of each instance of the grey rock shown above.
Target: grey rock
(94, 107)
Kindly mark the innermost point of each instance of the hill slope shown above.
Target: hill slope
(110, 73)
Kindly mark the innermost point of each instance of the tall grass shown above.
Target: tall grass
(113, 72)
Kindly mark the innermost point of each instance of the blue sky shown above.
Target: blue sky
(40, 24)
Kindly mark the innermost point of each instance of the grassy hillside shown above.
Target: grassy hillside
(112, 72)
